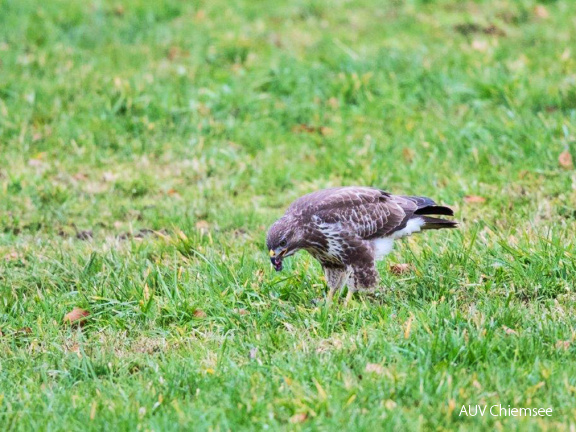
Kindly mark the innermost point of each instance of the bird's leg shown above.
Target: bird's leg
(363, 278)
(335, 279)
(351, 286)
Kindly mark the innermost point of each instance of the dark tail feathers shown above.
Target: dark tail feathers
(428, 207)
(437, 223)
(435, 210)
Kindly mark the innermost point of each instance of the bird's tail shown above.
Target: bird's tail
(428, 207)
(437, 223)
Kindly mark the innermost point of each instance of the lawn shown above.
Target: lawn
(145, 147)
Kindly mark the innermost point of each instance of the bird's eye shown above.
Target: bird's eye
(283, 243)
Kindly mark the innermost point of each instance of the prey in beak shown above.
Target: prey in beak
(276, 259)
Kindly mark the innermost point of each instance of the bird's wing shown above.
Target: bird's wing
(369, 212)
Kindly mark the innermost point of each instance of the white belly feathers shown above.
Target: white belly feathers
(383, 246)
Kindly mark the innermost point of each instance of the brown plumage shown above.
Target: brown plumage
(347, 229)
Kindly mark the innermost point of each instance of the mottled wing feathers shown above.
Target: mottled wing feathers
(333, 198)
(370, 213)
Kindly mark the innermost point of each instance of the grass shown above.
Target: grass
(145, 148)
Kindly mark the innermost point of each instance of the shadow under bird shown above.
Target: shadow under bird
(348, 228)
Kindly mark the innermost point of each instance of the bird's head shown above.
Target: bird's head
(283, 240)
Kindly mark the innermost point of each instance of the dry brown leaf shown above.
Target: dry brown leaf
(146, 292)
(304, 128)
(451, 406)
(80, 177)
(326, 131)
(199, 313)
(76, 317)
(408, 154)
(333, 103)
(12, 256)
(479, 45)
(241, 311)
(109, 177)
(400, 269)
(119, 10)
(541, 12)
(202, 226)
(390, 404)
(565, 160)
(563, 344)
(474, 199)
(408, 326)
(509, 331)
(375, 368)
(298, 418)
(24, 330)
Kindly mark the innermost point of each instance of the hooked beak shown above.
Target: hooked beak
(276, 259)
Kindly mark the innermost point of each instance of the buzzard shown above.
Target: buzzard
(348, 228)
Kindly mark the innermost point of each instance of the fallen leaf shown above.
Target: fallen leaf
(241, 311)
(408, 154)
(374, 368)
(400, 269)
(390, 404)
(199, 313)
(298, 418)
(565, 160)
(474, 199)
(172, 192)
(119, 10)
(108, 176)
(12, 256)
(408, 326)
(541, 12)
(479, 45)
(303, 128)
(333, 103)
(563, 344)
(326, 131)
(202, 226)
(76, 317)
(24, 330)
(451, 406)
(509, 331)
(80, 177)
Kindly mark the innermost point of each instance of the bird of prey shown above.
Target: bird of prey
(348, 228)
